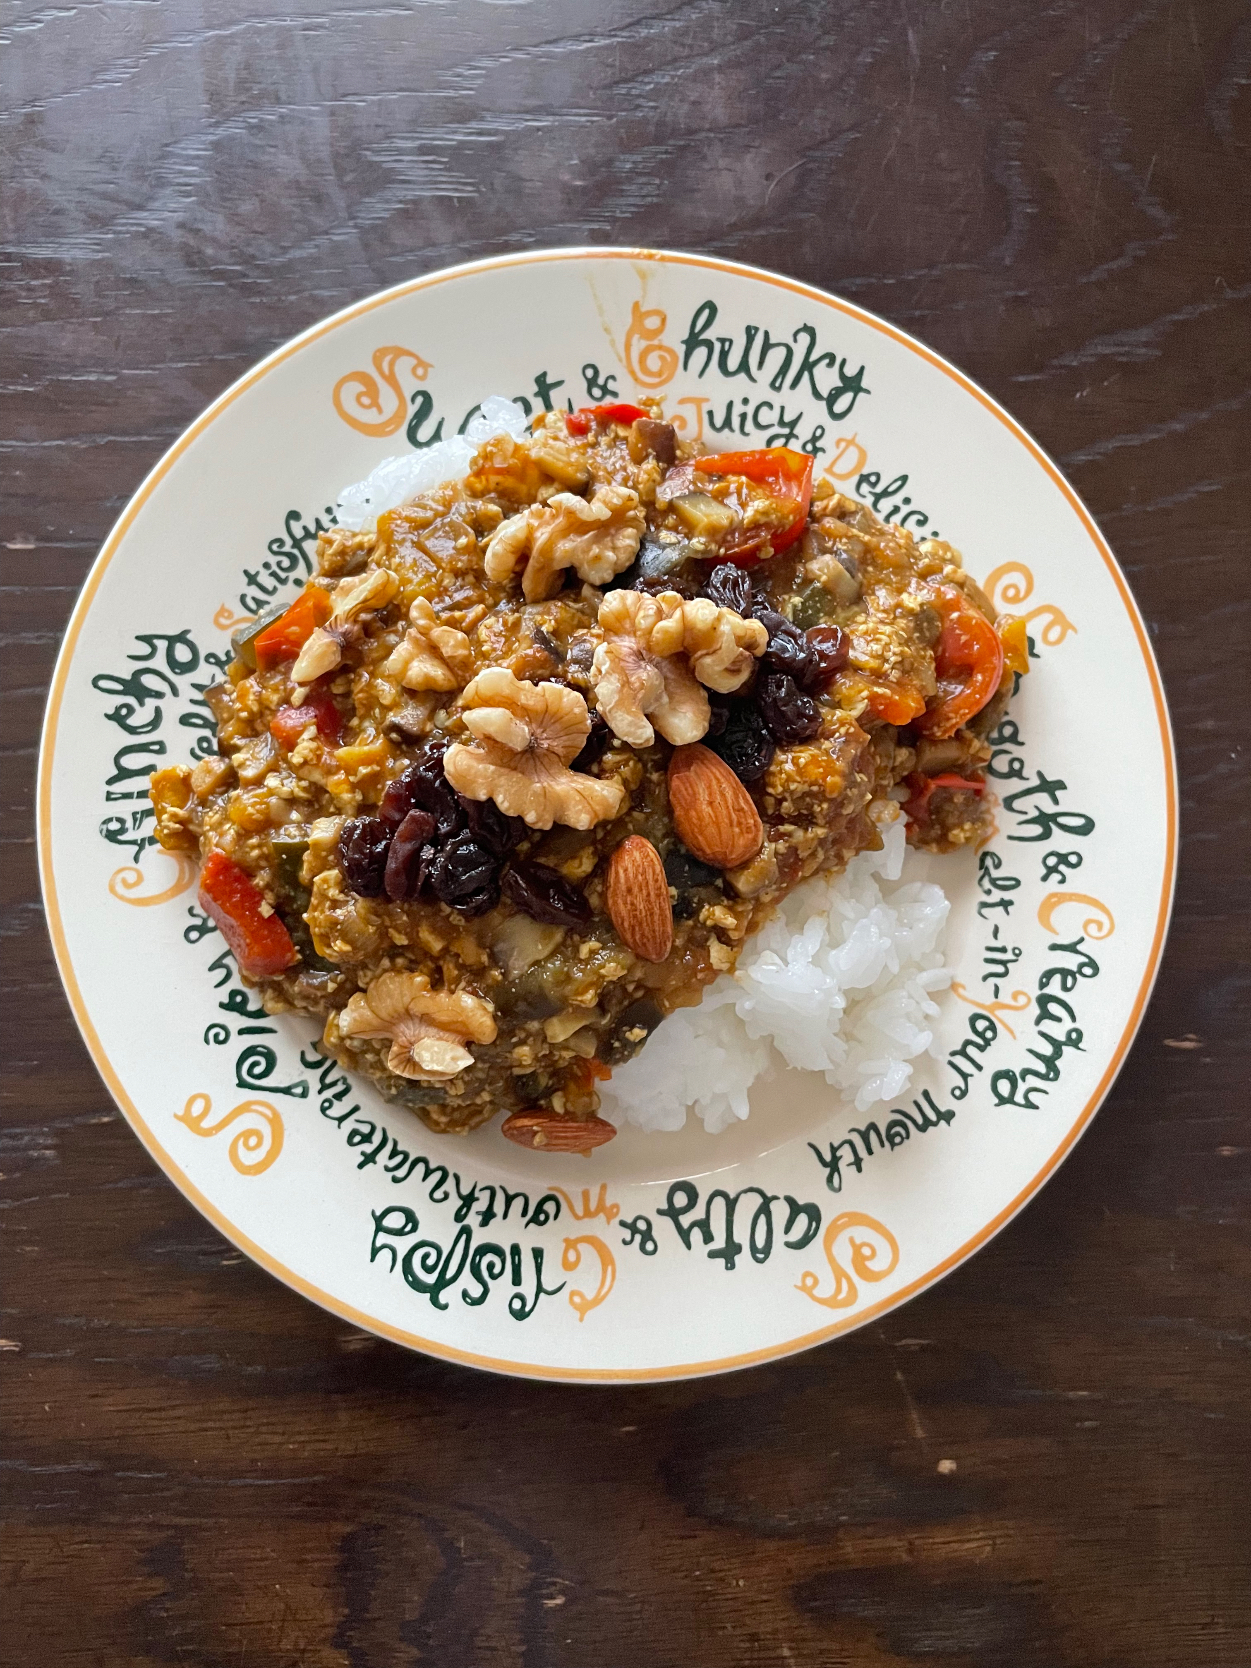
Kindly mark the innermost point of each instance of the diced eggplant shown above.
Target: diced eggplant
(529, 997)
(812, 606)
(634, 1024)
(648, 437)
(409, 719)
(695, 883)
(703, 517)
(289, 849)
(405, 1092)
(243, 638)
(660, 566)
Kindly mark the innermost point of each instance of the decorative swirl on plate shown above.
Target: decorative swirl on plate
(1057, 625)
(123, 883)
(1021, 1000)
(1102, 925)
(368, 395)
(571, 1256)
(1011, 584)
(603, 1206)
(653, 363)
(263, 1136)
(226, 620)
(864, 1254)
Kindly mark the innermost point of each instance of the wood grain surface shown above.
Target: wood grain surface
(1047, 1459)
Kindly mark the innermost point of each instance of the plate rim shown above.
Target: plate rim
(266, 1260)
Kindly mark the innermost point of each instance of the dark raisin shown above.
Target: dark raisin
(788, 651)
(745, 743)
(465, 876)
(718, 714)
(362, 855)
(790, 714)
(578, 660)
(596, 743)
(423, 786)
(410, 836)
(490, 827)
(729, 587)
(830, 652)
(546, 895)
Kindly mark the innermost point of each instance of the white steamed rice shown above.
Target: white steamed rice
(398, 479)
(841, 981)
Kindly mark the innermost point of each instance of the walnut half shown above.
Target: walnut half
(656, 653)
(597, 537)
(430, 655)
(428, 1030)
(526, 736)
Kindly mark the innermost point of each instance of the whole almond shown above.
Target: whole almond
(545, 1132)
(637, 893)
(712, 810)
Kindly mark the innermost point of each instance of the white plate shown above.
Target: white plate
(661, 1256)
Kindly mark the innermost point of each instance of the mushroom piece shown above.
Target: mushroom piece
(430, 655)
(526, 736)
(598, 537)
(656, 653)
(428, 1030)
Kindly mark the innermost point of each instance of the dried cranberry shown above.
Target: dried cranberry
(729, 587)
(744, 743)
(790, 714)
(465, 875)
(406, 844)
(545, 894)
(596, 743)
(830, 651)
(490, 827)
(362, 855)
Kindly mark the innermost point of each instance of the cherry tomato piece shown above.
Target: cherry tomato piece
(786, 477)
(968, 664)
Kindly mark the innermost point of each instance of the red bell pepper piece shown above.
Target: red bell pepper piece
(289, 723)
(579, 422)
(968, 664)
(229, 896)
(787, 477)
(284, 639)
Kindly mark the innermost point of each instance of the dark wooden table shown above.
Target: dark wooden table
(1047, 1459)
